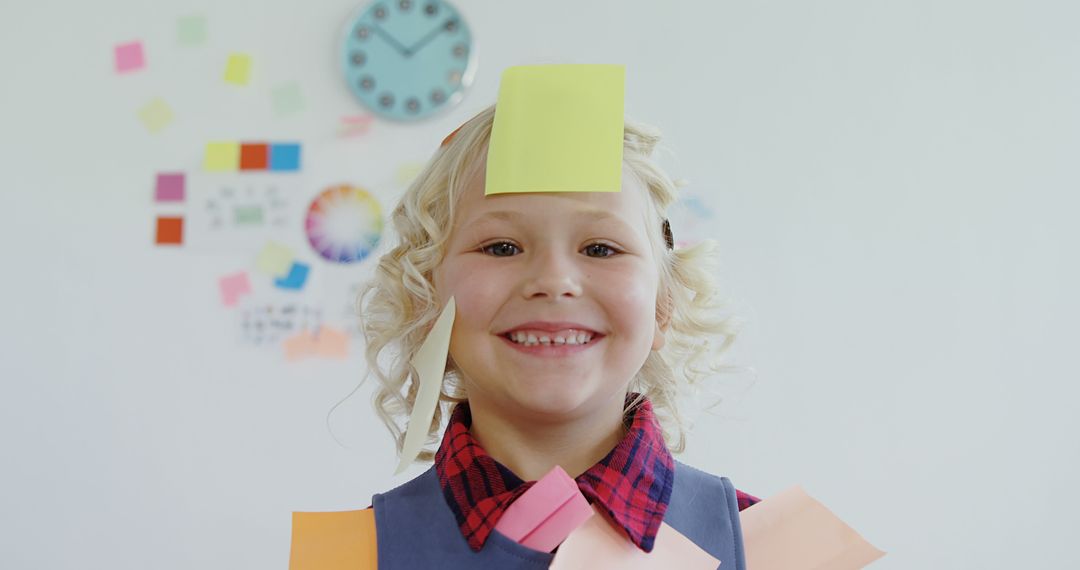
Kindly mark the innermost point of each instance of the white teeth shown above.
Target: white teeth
(527, 339)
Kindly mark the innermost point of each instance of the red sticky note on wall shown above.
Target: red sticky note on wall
(170, 231)
(254, 156)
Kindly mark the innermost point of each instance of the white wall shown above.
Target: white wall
(891, 184)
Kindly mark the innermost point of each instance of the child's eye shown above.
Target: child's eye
(601, 247)
(506, 249)
(499, 248)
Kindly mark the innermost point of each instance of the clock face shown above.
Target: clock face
(408, 59)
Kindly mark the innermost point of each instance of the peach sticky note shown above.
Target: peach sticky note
(557, 128)
(327, 342)
(233, 286)
(221, 156)
(547, 513)
(299, 346)
(332, 343)
(238, 69)
(128, 57)
(334, 541)
(597, 544)
(793, 531)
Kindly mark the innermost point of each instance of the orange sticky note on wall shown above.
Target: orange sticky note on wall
(334, 541)
(170, 231)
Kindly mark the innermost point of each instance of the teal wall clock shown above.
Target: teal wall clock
(406, 60)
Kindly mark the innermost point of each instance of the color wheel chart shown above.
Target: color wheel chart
(344, 224)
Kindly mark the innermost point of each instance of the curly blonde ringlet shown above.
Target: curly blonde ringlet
(399, 305)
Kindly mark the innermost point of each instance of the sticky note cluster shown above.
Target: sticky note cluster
(227, 156)
(278, 261)
(169, 188)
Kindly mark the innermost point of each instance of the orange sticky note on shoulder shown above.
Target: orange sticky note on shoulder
(334, 541)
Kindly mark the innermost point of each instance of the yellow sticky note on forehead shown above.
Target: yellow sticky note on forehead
(557, 128)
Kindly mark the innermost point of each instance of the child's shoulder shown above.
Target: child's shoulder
(744, 499)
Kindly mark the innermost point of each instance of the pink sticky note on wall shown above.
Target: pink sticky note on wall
(170, 187)
(233, 286)
(129, 57)
(547, 513)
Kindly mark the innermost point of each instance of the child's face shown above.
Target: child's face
(567, 257)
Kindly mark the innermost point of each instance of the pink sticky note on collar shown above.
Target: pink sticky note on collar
(597, 544)
(547, 513)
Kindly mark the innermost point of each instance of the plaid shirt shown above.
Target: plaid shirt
(632, 484)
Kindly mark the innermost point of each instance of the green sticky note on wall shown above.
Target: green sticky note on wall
(248, 215)
(558, 128)
(191, 30)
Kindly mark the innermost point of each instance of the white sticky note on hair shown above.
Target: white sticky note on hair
(430, 365)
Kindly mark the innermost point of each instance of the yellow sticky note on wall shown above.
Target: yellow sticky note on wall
(558, 128)
(334, 541)
(275, 259)
(221, 156)
(238, 69)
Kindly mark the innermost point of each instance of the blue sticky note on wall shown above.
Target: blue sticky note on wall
(284, 156)
(296, 278)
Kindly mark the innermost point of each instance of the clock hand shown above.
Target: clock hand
(430, 35)
(391, 40)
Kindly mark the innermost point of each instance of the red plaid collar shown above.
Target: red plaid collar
(632, 483)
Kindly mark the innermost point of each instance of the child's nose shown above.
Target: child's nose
(552, 275)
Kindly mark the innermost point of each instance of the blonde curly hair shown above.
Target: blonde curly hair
(398, 306)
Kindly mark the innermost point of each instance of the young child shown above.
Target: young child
(578, 324)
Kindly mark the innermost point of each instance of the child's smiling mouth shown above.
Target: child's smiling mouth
(551, 347)
(550, 339)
